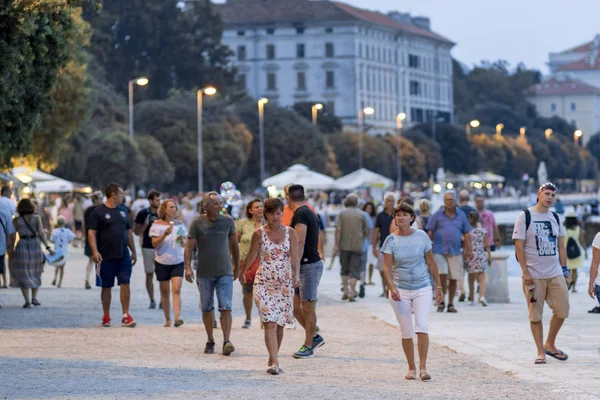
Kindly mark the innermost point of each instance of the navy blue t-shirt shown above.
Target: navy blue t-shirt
(140, 219)
(111, 225)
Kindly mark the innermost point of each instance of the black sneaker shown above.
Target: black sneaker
(361, 291)
(462, 298)
(210, 348)
(317, 342)
(304, 352)
(595, 310)
(152, 305)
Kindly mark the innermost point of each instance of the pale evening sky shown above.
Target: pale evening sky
(513, 30)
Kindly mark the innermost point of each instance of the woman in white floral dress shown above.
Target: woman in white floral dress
(277, 275)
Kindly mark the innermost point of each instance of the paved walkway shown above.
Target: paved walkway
(59, 350)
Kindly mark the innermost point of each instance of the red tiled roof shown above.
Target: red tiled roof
(274, 11)
(584, 48)
(581, 64)
(566, 86)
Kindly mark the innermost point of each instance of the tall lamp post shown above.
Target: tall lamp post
(578, 133)
(499, 128)
(209, 91)
(361, 122)
(261, 134)
(399, 118)
(315, 112)
(139, 82)
(472, 124)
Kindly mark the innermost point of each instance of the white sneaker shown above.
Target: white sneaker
(292, 325)
(471, 303)
(483, 301)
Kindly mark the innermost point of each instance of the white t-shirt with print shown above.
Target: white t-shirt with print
(596, 244)
(61, 238)
(541, 243)
(171, 251)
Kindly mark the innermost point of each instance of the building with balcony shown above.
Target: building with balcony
(293, 51)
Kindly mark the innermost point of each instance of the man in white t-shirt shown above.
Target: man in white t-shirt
(540, 248)
(594, 289)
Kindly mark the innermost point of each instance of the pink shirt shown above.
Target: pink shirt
(488, 222)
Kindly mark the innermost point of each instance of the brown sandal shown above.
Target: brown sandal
(167, 324)
(424, 376)
(411, 376)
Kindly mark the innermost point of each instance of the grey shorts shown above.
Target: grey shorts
(310, 276)
(148, 256)
(351, 263)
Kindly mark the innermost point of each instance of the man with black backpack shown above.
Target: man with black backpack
(540, 249)
(143, 221)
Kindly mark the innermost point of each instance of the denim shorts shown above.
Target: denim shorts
(223, 285)
(310, 276)
(119, 268)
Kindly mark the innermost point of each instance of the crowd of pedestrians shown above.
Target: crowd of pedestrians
(276, 251)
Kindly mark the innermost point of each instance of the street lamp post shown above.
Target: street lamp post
(140, 82)
(315, 111)
(361, 121)
(578, 133)
(499, 128)
(548, 133)
(209, 91)
(399, 118)
(472, 124)
(261, 134)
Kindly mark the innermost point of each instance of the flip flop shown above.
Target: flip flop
(559, 353)
(411, 376)
(539, 361)
(424, 376)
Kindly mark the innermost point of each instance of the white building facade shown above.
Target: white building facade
(292, 51)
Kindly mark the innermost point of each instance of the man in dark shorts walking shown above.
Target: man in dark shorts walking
(215, 238)
(96, 201)
(306, 225)
(109, 236)
(143, 222)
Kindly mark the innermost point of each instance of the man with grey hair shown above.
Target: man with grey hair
(463, 203)
(351, 229)
(214, 236)
(446, 229)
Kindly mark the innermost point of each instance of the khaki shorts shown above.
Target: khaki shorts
(552, 291)
(450, 265)
(148, 256)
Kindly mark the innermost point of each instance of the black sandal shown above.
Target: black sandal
(35, 302)
(451, 308)
(27, 305)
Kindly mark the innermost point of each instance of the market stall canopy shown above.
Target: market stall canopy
(362, 178)
(41, 181)
(301, 175)
(491, 177)
(55, 186)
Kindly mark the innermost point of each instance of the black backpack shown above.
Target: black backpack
(528, 222)
(573, 250)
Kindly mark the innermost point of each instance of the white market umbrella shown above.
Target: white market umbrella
(362, 178)
(57, 185)
(491, 177)
(300, 175)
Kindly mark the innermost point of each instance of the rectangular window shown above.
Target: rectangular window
(301, 80)
(241, 33)
(367, 51)
(553, 107)
(413, 61)
(241, 53)
(330, 80)
(368, 80)
(270, 31)
(416, 114)
(396, 57)
(415, 88)
(573, 107)
(360, 50)
(328, 30)
(300, 50)
(271, 81)
(329, 50)
(242, 80)
(270, 52)
(300, 30)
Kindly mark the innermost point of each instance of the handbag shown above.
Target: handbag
(250, 273)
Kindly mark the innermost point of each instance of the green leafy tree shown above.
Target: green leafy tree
(429, 148)
(159, 171)
(36, 43)
(378, 155)
(593, 147)
(493, 150)
(414, 166)
(326, 120)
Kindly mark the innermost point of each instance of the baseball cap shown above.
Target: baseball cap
(548, 186)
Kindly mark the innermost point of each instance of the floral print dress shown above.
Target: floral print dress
(273, 293)
(479, 262)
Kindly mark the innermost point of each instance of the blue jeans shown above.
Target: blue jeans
(223, 285)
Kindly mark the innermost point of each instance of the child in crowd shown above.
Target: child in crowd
(482, 257)
(61, 237)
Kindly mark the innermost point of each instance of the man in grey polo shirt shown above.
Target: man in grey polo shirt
(351, 229)
(446, 229)
(214, 236)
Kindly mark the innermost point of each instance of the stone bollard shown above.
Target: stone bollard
(497, 283)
